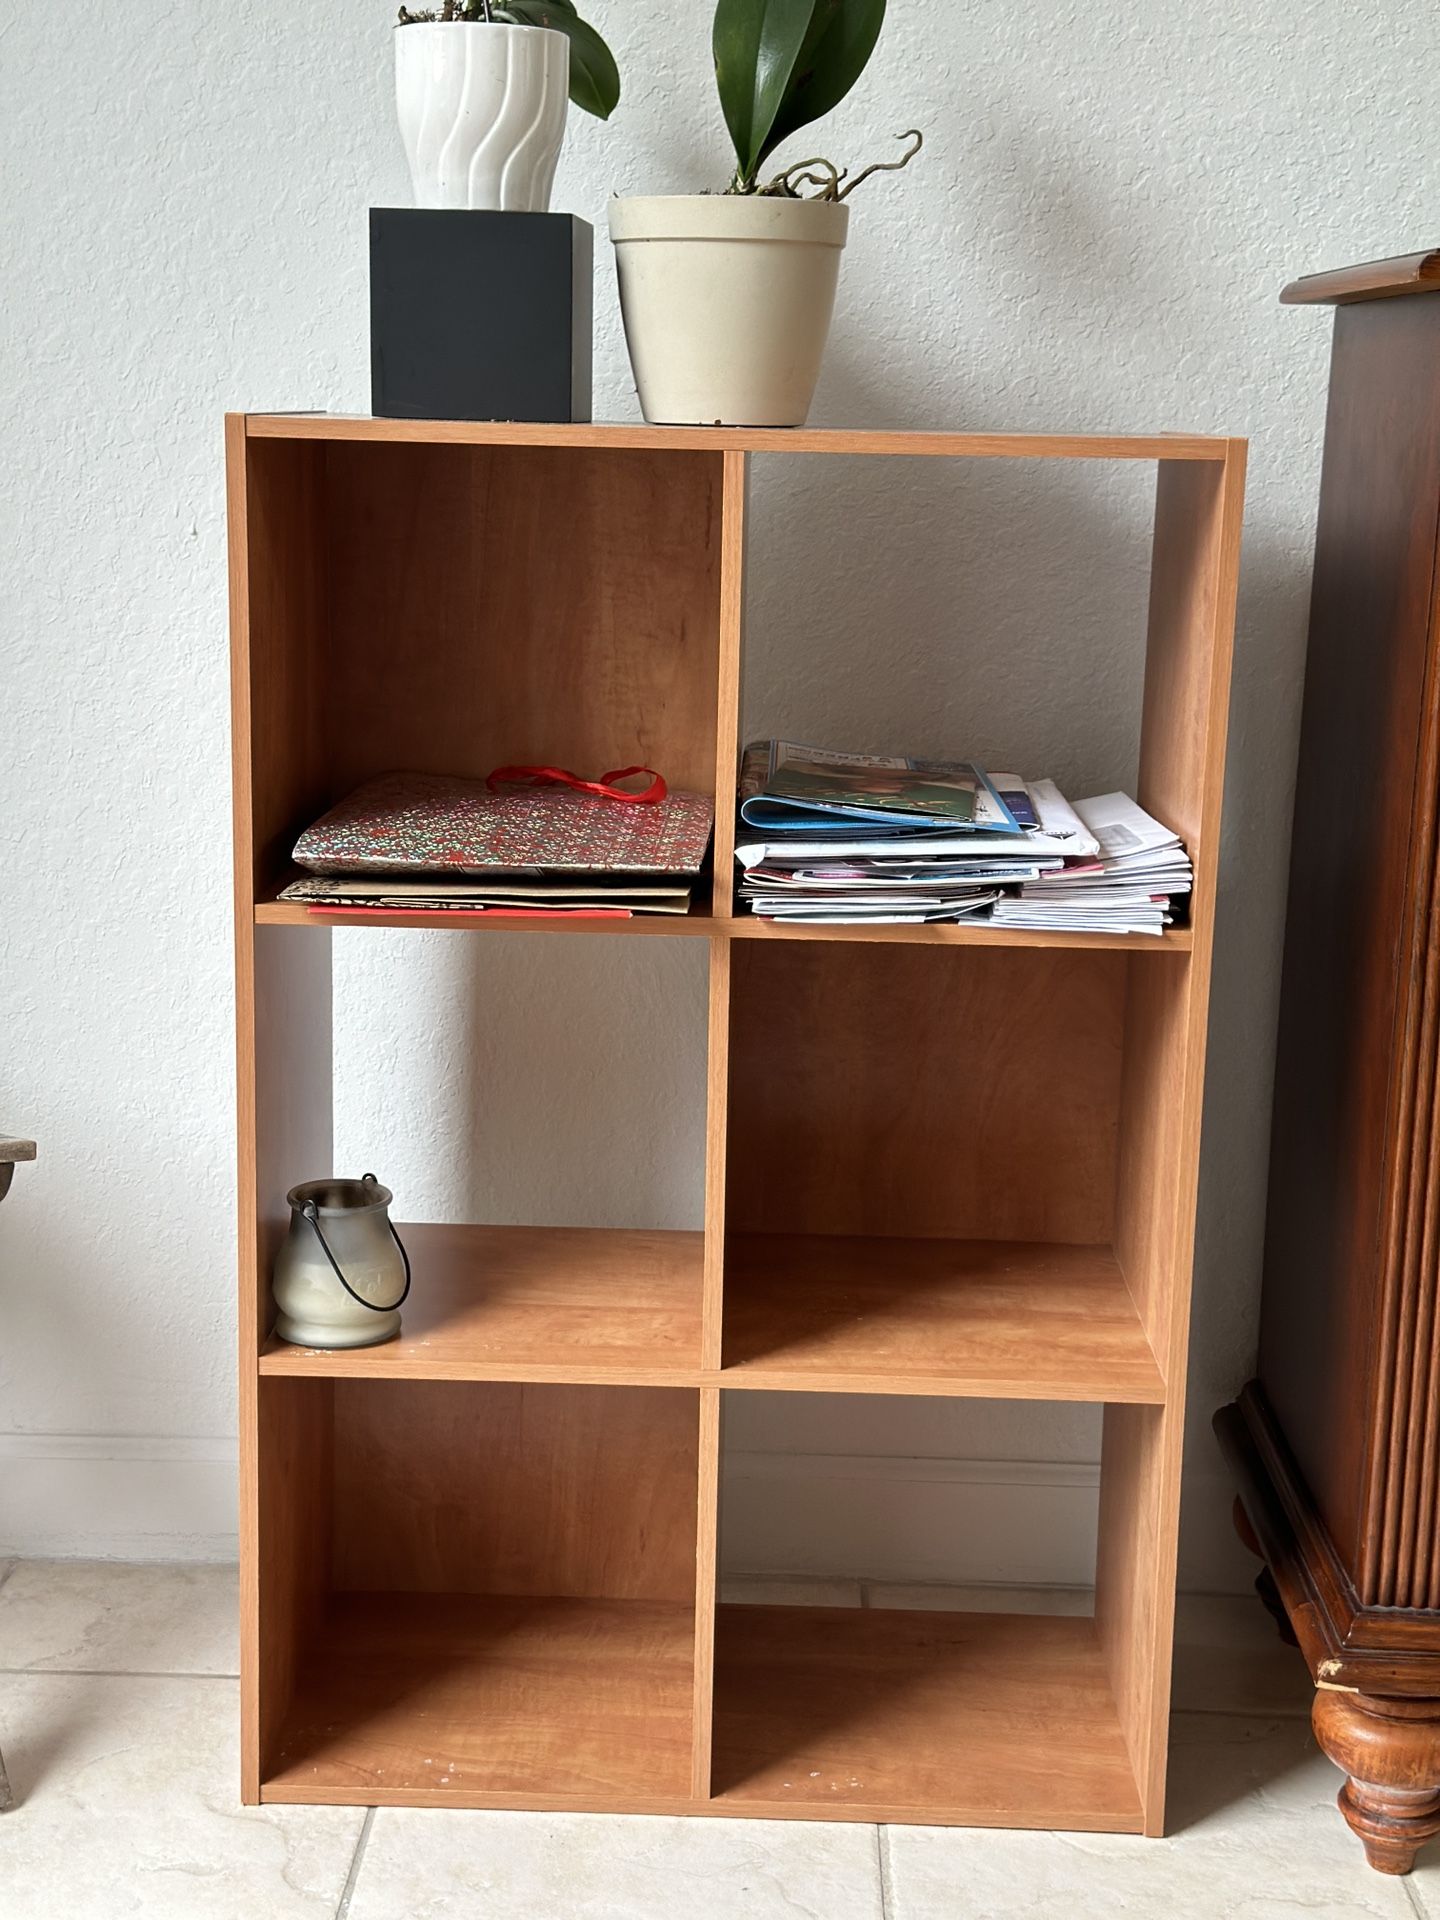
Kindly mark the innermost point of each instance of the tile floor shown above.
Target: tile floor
(117, 1719)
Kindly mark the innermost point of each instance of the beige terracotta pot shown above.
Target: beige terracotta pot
(727, 302)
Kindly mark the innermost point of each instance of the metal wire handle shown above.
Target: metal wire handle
(312, 1214)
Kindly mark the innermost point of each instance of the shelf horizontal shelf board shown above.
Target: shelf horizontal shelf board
(584, 1305)
(958, 934)
(293, 913)
(963, 446)
(470, 1700)
(1002, 1319)
(810, 1313)
(1002, 1720)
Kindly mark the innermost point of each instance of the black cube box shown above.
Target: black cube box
(480, 316)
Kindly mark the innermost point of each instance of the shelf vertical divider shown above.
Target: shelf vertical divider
(734, 498)
(1194, 572)
(734, 491)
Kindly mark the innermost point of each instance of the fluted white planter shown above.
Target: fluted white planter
(727, 301)
(482, 112)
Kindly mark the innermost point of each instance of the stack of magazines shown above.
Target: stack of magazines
(1128, 887)
(428, 843)
(850, 839)
(832, 838)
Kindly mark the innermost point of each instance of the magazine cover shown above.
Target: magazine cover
(817, 790)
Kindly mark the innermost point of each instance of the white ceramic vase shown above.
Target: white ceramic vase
(727, 301)
(482, 112)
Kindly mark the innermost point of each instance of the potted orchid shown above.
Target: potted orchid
(727, 297)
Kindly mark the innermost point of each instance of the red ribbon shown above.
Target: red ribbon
(604, 787)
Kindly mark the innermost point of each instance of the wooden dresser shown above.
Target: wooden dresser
(1336, 1442)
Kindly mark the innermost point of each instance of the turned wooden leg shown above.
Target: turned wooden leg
(1390, 1749)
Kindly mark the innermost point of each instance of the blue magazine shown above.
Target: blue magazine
(785, 786)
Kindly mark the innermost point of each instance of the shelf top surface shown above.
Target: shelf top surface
(584, 1305)
(446, 1699)
(806, 1314)
(509, 433)
(1011, 1319)
(994, 1719)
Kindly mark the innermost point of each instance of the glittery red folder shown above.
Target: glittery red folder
(435, 823)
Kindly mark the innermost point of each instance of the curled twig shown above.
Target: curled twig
(834, 182)
(887, 166)
(802, 174)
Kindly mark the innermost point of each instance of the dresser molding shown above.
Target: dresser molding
(1381, 1650)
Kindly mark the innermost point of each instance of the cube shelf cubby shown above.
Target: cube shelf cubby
(479, 1562)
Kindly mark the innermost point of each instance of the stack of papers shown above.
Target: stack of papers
(1128, 887)
(391, 895)
(848, 839)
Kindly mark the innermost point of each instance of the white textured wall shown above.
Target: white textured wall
(1093, 239)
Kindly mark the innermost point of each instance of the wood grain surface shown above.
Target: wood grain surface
(955, 446)
(990, 1719)
(479, 1562)
(578, 1304)
(902, 1092)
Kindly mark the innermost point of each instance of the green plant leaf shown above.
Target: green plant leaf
(836, 51)
(756, 45)
(594, 77)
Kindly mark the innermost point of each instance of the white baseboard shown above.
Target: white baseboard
(102, 1496)
(1011, 1522)
(960, 1522)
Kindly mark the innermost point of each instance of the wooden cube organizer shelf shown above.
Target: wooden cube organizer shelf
(479, 1562)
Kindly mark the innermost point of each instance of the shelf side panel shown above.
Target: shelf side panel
(1159, 1153)
(1182, 769)
(279, 626)
(1135, 1582)
(561, 1491)
(282, 1001)
(284, 1585)
(523, 605)
(1182, 773)
(707, 1580)
(1193, 575)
